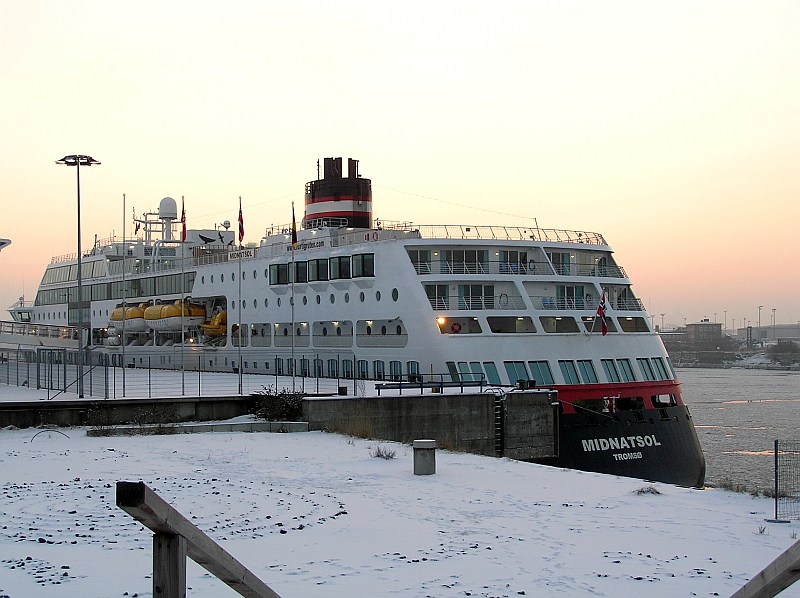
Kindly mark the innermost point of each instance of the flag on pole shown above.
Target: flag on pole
(183, 221)
(294, 229)
(601, 313)
(136, 222)
(241, 221)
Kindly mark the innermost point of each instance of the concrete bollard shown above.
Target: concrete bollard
(424, 457)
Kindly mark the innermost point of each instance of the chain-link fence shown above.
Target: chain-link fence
(787, 479)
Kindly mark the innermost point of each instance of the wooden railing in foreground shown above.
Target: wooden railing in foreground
(775, 577)
(175, 538)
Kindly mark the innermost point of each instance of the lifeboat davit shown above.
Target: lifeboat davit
(217, 326)
(167, 316)
(134, 319)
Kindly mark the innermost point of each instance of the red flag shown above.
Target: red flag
(294, 229)
(183, 222)
(601, 312)
(241, 221)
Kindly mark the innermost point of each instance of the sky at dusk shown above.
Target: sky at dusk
(671, 128)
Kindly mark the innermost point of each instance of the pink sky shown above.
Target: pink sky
(673, 130)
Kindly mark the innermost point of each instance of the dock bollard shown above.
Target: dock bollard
(424, 457)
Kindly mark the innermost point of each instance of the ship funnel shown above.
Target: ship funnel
(168, 211)
(336, 200)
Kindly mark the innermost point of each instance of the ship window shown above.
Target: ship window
(421, 259)
(412, 368)
(222, 278)
(395, 294)
(558, 324)
(476, 296)
(377, 295)
(630, 403)
(437, 295)
(212, 279)
(305, 300)
(516, 371)
(279, 274)
(477, 371)
(254, 275)
(464, 372)
(279, 301)
(333, 368)
(361, 296)
(661, 369)
(664, 400)
(383, 330)
(333, 298)
(511, 324)
(633, 324)
(266, 302)
(625, 370)
(540, 372)
(369, 330)
(318, 269)
(568, 371)
(465, 261)
(378, 369)
(395, 370)
(587, 371)
(451, 366)
(347, 297)
(646, 368)
(339, 267)
(202, 280)
(364, 265)
(612, 375)
(513, 262)
(301, 271)
(399, 330)
(363, 369)
(347, 368)
(491, 372)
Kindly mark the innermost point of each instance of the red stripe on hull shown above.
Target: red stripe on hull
(339, 198)
(568, 393)
(343, 214)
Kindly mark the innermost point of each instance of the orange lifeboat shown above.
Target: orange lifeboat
(167, 317)
(217, 326)
(134, 318)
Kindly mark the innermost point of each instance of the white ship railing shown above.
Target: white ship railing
(506, 233)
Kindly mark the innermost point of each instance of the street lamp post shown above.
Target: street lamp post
(77, 161)
(760, 307)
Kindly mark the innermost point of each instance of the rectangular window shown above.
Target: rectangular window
(476, 296)
(301, 271)
(363, 265)
(612, 375)
(464, 371)
(587, 371)
(347, 368)
(465, 261)
(279, 274)
(339, 267)
(491, 372)
(477, 371)
(540, 371)
(438, 296)
(421, 259)
(395, 370)
(412, 369)
(451, 367)
(318, 270)
(569, 372)
(513, 262)
(661, 369)
(333, 368)
(363, 369)
(625, 370)
(646, 368)
(378, 369)
(516, 371)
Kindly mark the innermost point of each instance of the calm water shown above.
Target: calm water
(738, 415)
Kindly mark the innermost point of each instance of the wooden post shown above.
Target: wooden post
(169, 566)
(144, 505)
(775, 577)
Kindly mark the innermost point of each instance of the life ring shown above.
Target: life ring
(455, 327)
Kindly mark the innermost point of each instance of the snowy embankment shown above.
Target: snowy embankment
(315, 514)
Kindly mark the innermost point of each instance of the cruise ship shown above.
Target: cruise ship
(341, 294)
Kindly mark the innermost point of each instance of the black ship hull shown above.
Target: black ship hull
(656, 444)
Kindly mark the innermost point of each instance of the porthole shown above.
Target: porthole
(203, 280)
(212, 279)
(266, 302)
(266, 273)
(255, 275)
(324, 331)
(233, 276)
(222, 278)
(279, 301)
(305, 300)
(255, 303)
(291, 300)
(361, 296)
(233, 304)
(369, 330)
(383, 330)
(399, 330)
(347, 297)
(377, 295)
(244, 304)
(243, 276)
(333, 298)
(395, 294)
(319, 299)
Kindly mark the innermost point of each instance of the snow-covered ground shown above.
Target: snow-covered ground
(315, 514)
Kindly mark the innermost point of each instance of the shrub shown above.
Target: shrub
(274, 405)
(384, 452)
